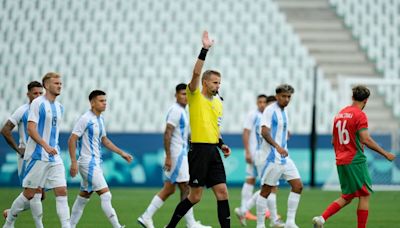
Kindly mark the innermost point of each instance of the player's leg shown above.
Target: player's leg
(362, 211)
(291, 174)
(56, 180)
(105, 198)
(332, 209)
(221, 194)
(248, 187)
(156, 203)
(79, 205)
(18, 205)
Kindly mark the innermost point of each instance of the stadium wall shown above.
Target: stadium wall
(146, 169)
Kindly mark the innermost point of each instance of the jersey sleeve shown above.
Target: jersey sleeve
(248, 121)
(173, 117)
(362, 122)
(16, 117)
(266, 118)
(80, 127)
(34, 111)
(104, 133)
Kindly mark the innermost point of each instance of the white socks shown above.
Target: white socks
(63, 211)
(37, 209)
(271, 203)
(251, 202)
(77, 210)
(247, 192)
(261, 208)
(17, 206)
(189, 217)
(155, 204)
(109, 210)
(293, 203)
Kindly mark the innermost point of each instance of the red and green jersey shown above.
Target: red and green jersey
(347, 125)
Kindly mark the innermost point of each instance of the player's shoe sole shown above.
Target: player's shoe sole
(317, 222)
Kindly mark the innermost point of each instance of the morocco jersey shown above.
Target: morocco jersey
(253, 124)
(90, 130)
(20, 118)
(347, 125)
(47, 116)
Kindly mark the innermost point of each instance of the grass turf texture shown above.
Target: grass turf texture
(131, 202)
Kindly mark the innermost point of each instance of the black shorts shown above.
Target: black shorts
(205, 165)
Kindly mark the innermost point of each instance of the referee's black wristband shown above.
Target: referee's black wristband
(220, 143)
(203, 53)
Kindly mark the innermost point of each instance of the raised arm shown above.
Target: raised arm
(6, 132)
(110, 145)
(72, 154)
(366, 139)
(207, 43)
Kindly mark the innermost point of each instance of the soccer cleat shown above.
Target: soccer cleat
(240, 216)
(268, 214)
(250, 216)
(5, 212)
(198, 224)
(318, 222)
(277, 223)
(145, 223)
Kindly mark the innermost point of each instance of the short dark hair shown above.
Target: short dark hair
(96, 93)
(360, 93)
(261, 96)
(271, 99)
(180, 86)
(34, 84)
(208, 73)
(284, 88)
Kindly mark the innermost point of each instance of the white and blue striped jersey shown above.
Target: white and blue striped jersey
(276, 119)
(20, 119)
(90, 129)
(178, 117)
(253, 124)
(47, 116)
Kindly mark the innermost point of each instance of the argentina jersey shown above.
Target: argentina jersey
(253, 124)
(178, 117)
(20, 118)
(277, 121)
(90, 129)
(47, 116)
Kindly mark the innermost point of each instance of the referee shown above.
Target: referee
(205, 163)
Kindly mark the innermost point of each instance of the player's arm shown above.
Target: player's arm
(34, 134)
(167, 146)
(72, 154)
(366, 139)
(207, 43)
(6, 131)
(266, 134)
(245, 137)
(110, 145)
(225, 148)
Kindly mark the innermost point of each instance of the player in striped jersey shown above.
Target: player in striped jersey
(176, 165)
(349, 135)
(277, 163)
(20, 118)
(89, 132)
(44, 166)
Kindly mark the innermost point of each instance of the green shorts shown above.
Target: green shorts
(354, 179)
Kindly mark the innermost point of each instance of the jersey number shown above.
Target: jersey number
(343, 133)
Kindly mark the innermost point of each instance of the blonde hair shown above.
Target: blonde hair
(48, 76)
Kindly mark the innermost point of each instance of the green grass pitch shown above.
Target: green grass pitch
(131, 202)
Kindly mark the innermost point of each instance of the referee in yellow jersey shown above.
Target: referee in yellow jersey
(205, 163)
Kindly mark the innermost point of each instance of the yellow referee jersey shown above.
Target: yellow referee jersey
(205, 117)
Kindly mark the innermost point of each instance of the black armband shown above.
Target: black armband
(220, 143)
(203, 53)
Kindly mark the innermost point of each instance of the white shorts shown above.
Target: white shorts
(42, 174)
(92, 177)
(273, 172)
(251, 171)
(179, 172)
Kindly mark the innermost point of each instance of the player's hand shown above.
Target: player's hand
(73, 170)
(390, 156)
(207, 42)
(50, 150)
(167, 164)
(282, 151)
(247, 156)
(127, 157)
(226, 150)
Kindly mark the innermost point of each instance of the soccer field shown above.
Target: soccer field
(131, 202)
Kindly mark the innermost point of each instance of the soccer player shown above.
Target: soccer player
(44, 166)
(252, 140)
(349, 135)
(91, 133)
(205, 163)
(20, 118)
(274, 130)
(176, 165)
